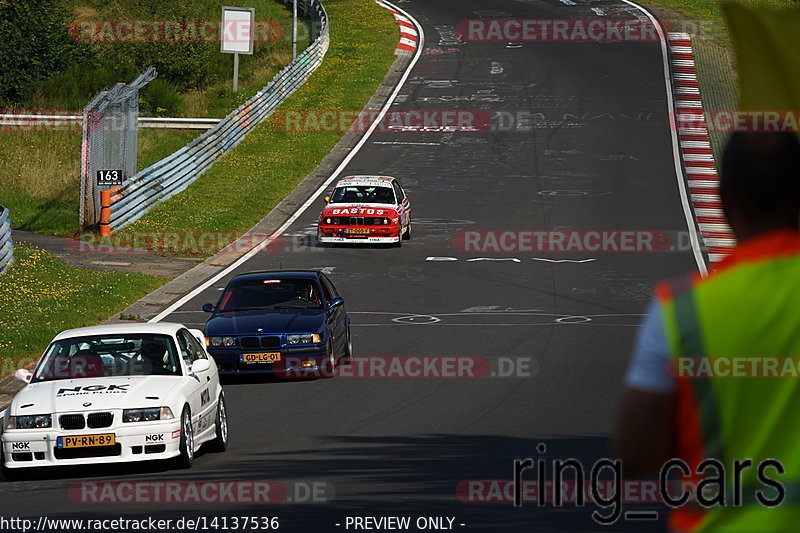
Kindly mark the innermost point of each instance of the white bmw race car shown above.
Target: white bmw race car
(116, 393)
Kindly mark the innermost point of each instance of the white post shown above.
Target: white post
(294, 29)
(235, 72)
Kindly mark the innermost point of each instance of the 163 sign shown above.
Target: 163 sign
(109, 177)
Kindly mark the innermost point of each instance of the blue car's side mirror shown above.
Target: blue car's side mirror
(336, 302)
(208, 308)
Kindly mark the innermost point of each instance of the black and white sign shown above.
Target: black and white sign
(109, 177)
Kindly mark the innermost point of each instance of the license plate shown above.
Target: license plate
(86, 441)
(260, 357)
(357, 231)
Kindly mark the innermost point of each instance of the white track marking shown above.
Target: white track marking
(563, 260)
(256, 249)
(512, 259)
(687, 210)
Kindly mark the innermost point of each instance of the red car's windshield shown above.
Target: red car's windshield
(363, 194)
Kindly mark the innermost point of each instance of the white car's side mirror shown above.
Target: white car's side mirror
(200, 365)
(23, 375)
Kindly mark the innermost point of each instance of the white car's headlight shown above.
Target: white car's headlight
(29, 422)
(306, 338)
(147, 414)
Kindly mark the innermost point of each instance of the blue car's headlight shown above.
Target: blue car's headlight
(221, 341)
(305, 338)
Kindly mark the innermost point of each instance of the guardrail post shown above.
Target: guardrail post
(105, 213)
(6, 243)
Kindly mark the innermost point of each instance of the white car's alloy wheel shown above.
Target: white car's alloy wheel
(188, 434)
(186, 458)
(220, 442)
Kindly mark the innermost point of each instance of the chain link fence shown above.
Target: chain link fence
(6, 244)
(109, 143)
(126, 203)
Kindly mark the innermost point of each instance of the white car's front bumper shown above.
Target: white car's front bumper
(135, 441)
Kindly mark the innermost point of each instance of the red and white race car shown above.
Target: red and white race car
(366, 209)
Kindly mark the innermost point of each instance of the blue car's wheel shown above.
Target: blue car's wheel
(348, 347)
(329, 365)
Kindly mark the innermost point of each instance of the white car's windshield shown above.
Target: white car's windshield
(363, 194)
(109, 355)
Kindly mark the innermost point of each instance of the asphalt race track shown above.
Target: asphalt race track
(594, 152)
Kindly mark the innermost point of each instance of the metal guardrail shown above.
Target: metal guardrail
(6, 244)
(61, 121)
(128, 202)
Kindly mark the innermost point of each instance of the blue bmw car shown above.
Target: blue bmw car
(290, 323)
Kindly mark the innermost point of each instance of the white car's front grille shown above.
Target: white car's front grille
(93, 421)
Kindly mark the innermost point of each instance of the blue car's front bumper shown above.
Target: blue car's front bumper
(294, 362)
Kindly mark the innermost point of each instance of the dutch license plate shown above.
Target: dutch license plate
(260, 357)
(86, 441)
(357, 231)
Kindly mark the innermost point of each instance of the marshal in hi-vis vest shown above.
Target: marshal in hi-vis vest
(729, 405)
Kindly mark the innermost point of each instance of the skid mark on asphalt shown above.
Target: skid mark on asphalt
(446, 259)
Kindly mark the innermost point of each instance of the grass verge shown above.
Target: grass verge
(41, 296)
(246, 184)
(39, 174)
(713, 48)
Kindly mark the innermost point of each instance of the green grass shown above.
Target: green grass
(41, 296)
(713, 47)
(40, 170)
(246, 184)
(707, 13)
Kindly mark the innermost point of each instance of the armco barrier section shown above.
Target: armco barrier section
(6, 244)
(126, 203)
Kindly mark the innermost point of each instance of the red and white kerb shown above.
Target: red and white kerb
(408, 32)
(695, 147)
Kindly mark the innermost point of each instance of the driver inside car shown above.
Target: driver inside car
(305, 292)
(152, 358)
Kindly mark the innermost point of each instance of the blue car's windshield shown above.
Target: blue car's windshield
(271, 294)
